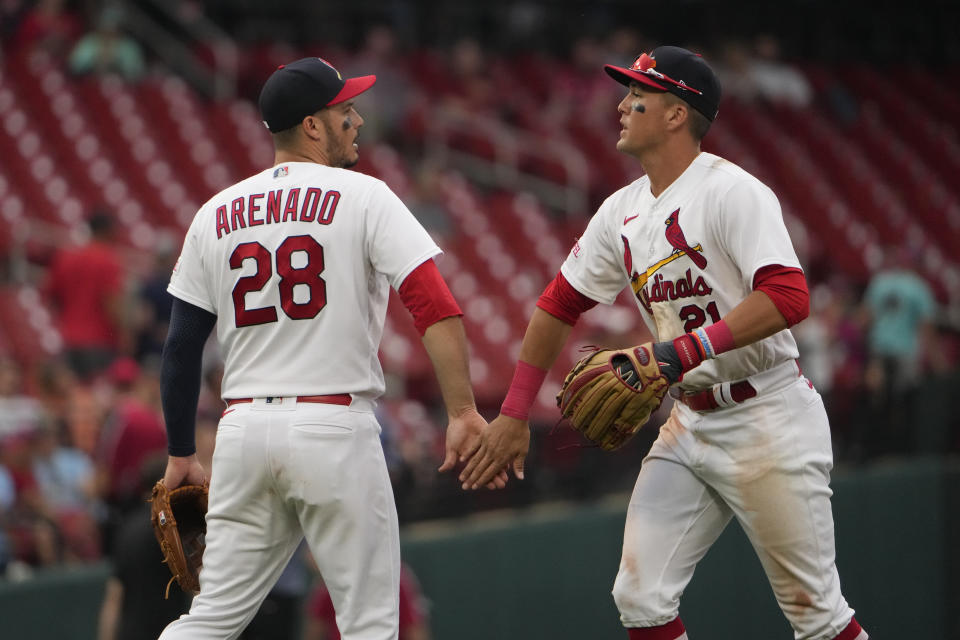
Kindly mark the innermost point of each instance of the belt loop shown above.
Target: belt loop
(721, 394)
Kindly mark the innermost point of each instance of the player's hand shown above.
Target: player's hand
(184, 470)
(463, 440)
(504, 443)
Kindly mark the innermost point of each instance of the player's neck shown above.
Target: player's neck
(299, 155)
(667, 164)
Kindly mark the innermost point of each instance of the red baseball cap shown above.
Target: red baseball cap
(678, 71)
(301, 88)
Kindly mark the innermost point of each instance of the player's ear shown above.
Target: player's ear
(677, 114)
(312, 127)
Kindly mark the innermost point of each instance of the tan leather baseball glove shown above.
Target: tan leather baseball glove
(610, 394)
(179, 522)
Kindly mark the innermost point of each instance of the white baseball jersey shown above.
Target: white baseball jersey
(296, 262)
(689, 256)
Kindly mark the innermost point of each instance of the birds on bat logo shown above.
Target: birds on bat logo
(679, 243)
(686, 286)
(674, 235)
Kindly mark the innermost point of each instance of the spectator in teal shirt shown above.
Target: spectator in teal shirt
(107, 50)
(901, 307)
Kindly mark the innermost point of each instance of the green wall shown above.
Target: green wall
(549, 575)
(547, 572)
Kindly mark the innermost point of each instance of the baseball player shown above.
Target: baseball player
(703, 247)
(292, 266)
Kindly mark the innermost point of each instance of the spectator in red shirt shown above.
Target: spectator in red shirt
(321, 623)
(131, 434)
(48, 28)
(85, 286)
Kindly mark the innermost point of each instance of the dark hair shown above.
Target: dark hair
(284, 139)
(698, 123)
(100, 222)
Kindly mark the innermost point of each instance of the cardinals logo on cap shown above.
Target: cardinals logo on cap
(332, 67)
(644, 63)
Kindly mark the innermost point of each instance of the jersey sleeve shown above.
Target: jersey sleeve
(752, 230)
(396, 241)
(592, 266)
(189, 281)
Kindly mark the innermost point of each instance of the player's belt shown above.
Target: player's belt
(706, 400)
(727, 394)
(337, 398)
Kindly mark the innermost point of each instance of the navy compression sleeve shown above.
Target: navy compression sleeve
(180, 373)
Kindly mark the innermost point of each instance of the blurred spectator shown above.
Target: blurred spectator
(48, 28)
(132, 432)
(321, 623)
(733, 70)
(55, 380)
(815, 340)
(84, 415)
(776, 80)
(67, 484)
(587, 94)
(623, 46)
(133, 604)
(425, 200)
(72, 406)
(33, 533)
(833, 356)
(469, 84)
(379, 56)
(154, 302)
(523, 26)
(16, 408)
(900, 307)
(760, 74)
(65, 475)
(85, 287)
(107, 50)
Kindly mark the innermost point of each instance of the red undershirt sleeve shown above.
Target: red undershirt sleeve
(426, 296)
(564, 302)
(787, 288)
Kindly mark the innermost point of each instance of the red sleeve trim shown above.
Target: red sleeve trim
(787, 288)
(427, 297)
(564, 302)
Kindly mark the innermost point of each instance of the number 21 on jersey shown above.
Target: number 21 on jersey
(694, 316)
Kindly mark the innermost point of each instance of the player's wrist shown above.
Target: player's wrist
(526, 383)
(715, 339)
(688, 351)
(462, 412)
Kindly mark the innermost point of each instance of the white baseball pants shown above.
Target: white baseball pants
(766, 462)
(283, 470)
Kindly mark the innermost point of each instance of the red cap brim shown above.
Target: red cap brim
(352, 88)
(626, 76)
